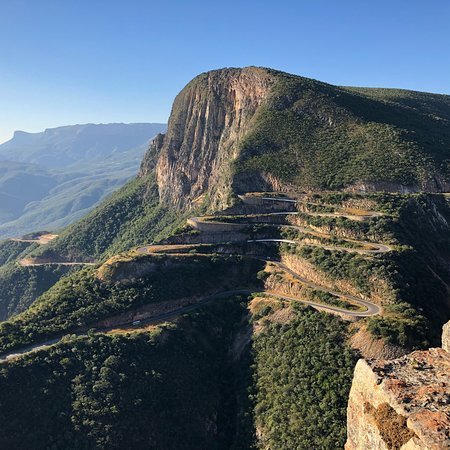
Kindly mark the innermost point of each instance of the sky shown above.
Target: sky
(64, 62)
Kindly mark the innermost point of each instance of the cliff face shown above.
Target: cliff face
(446, 337)
(253, 129)
(402, 403)
(209, 117)
(435, 184)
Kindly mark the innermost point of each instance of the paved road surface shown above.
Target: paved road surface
(148, 321)
(369, 308)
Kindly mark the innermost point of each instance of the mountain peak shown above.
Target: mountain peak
(20, 134)
(239, 129)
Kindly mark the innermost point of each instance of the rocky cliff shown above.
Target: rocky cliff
(209, 117)
(446, 337)
(252, 129)
(402, 403)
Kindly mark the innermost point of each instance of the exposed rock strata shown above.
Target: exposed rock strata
(209, 117)
(216, 112)
(446, 337)
(402, 403)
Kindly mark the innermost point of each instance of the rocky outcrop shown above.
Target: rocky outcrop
(224, 138)
(370, 347)
(435, 184)
(446, 337)
(402, 403)
(209, 117)
(127, 268)
(150, 159)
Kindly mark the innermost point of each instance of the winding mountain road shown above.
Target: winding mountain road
(143, 322)
(367, 307)
(44, 239)
(371, 247)
(25, 263)
(371, 310)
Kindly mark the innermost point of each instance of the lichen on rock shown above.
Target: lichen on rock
(392, 426)
(401, 404)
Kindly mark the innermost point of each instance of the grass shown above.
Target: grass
(321, 136)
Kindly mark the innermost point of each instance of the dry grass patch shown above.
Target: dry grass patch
(392, 426)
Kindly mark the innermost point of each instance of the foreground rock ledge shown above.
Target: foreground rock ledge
(401, 404)
(446, 337)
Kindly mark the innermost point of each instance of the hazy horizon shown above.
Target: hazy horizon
(83, 63)
(79, 124)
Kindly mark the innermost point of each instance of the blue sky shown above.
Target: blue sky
(78, 61)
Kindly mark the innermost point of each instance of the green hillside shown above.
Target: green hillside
(83, 299)
(318, 136)
(181, 386)
(180, 368)
(21, 286)
(214, 301)
(51, 179)
(129, 217)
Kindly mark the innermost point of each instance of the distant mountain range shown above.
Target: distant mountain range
(50, 179)
(269, 196)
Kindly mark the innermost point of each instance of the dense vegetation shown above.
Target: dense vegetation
(195, 383)
(410, 280)
(317, 135)
(11, 250)
(129, 217)
(175, 388)
(185, 386)
(404, 322)
(21, 286)
(420, 273)
(82, 299)
(376, 229)
(303, 372)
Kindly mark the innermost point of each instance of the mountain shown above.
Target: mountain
(233, 131)
(21, 183)
(281, 229)
(267, 130)
(50, 179)
(74, 144)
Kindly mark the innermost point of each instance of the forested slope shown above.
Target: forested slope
(185, 385)
(259, 371)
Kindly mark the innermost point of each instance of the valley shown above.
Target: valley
(50, 179)
(364, 308)
(281, 229)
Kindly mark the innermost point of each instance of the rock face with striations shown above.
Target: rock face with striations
(446, 337)
(233, 131)
(209, 117)
(402, 403)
